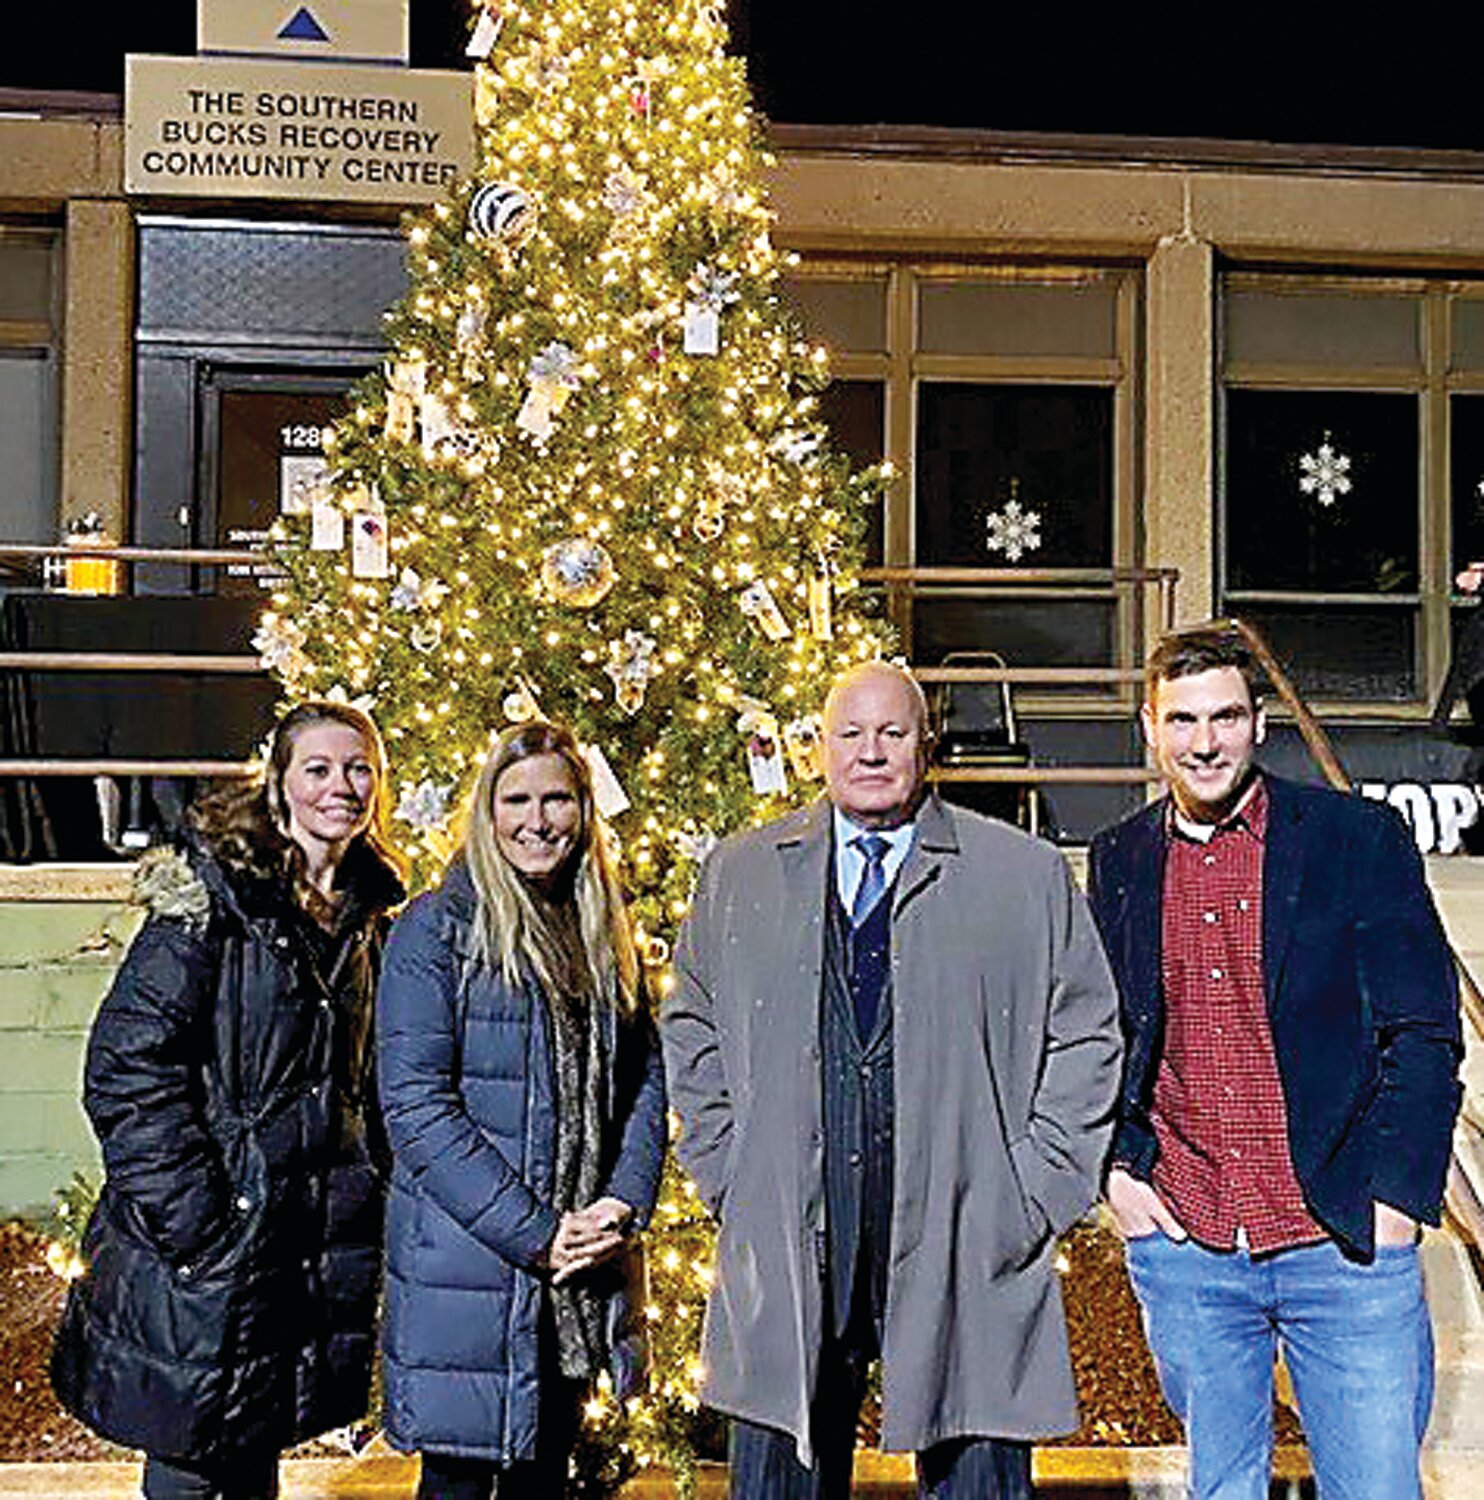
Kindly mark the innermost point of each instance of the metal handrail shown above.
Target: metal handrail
(200, 555)
(1111, 676)
(1048, 775)
(126, 661)
(38, 766)
(1047, 581)
(129, 661)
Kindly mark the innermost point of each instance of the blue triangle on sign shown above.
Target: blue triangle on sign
(304, 28)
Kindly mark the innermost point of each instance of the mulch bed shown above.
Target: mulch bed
(32, 1426)
(1120, 1399)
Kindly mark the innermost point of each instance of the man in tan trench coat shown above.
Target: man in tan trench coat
(893, 1045)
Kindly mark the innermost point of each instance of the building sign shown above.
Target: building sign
(238, 128)
(363, 30)
(1438, 812)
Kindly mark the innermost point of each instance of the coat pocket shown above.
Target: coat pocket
(1010, 1224)
(138, 1355)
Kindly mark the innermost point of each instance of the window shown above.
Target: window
(29, 286)
(1003, 397)
(1353, 460)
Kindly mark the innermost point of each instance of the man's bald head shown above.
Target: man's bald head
(875, 744)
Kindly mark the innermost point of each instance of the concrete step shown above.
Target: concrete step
(1061, 1474)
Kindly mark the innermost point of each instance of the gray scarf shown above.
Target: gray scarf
(580, 1068)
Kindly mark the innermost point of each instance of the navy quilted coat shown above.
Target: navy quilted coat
(234, 1254)
(467, 1092)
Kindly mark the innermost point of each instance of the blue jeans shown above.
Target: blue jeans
(1356, 1339)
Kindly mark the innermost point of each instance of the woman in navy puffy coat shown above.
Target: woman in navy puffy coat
(524, 1101)
(229, 1306)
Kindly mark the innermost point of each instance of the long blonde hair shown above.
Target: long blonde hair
(511, 930)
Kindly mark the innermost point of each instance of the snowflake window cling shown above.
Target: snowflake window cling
(1325, 473)
(1012, 529)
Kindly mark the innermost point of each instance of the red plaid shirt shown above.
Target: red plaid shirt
(1218, 1111)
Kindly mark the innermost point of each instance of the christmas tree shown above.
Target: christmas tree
(592, 483)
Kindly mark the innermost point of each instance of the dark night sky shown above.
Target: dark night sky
(1291, 76)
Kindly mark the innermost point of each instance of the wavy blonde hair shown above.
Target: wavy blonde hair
(247, 823)
(511, 929)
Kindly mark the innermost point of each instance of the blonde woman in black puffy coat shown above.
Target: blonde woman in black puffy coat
(233, 1260)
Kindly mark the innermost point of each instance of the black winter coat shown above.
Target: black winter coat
(234, 1255)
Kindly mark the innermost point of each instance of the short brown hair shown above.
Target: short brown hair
(1202, 648)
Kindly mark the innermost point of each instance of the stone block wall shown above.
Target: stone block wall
(61, 935)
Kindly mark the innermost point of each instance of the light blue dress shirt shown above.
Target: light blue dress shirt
(850, 863)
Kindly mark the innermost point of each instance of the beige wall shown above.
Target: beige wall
(872, 192)
(1181, 222)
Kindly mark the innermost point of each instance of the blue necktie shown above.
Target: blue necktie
(870, 937)
(873, 877)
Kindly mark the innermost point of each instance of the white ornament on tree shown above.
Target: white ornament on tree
(425, 805)
(762, 610)
(486, 33)
(414, 592)
(501, 212)
(577, 572)
(631, 665)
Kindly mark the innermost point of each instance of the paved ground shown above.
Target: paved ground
(1061, 1474)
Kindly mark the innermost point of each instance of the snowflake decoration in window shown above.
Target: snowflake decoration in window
(1013, 531)
(1325, 473)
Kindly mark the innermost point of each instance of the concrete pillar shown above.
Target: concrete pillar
(97, 361)
(1180, 499)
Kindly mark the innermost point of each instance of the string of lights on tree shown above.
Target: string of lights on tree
(591, 483)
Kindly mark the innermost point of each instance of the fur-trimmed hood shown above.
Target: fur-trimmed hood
(178, 882)
(166, 885)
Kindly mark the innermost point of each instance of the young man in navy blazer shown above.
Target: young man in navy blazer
(1291, 1019)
